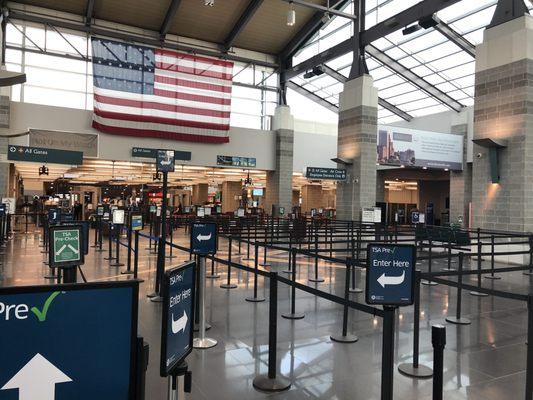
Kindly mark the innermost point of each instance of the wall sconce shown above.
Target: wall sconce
(495, 146)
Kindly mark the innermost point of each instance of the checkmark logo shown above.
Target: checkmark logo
(41, 314)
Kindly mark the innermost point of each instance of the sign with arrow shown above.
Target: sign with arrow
(56, 347)
(178, 316)
(390, 274)
(66, 246)
(204, 238)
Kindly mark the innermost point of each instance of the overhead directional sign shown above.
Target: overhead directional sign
(43, 155)
(204, 238)
(56, 347)
(390, 274)
(178, 316)
(66, 246)
(325, 173)
(152, 153)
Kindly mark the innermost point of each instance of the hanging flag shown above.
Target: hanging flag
(142, 91)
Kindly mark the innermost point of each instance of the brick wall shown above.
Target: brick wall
(279, 182)
(461, 182)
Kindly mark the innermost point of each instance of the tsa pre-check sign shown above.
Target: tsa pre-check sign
(65, 342)
(66, 246)
(390, 274)
(178, 316)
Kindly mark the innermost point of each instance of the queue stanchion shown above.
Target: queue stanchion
(429, 282)
(458, 320)
(213, 274)
(344, 337)
(414, 369)
(95, 243)
(492, 260)
(228, 284)
(265, 263)
(255, 298)
(529, 359)
(449, 258)
(291, 254)
(293, 314)
(128, 262)
(387, 354)
(356, 253)
(110, 230)
(100, 234)
(136, 256)
(272, 381)
(530, 272)
(248, 237)
(438, 340)
(171, 234)
(479, 255)
(117, 262)
(316, 278)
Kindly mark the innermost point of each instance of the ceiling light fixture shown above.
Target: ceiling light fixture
(209, 3)
(291, 15)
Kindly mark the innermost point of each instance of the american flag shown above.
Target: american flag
(142, 91)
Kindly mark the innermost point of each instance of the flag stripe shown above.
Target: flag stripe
(199, 66)
(192, 84)
(208, 60)
(192, 97)
(193, 71)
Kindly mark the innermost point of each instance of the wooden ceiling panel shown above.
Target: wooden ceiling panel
(146, 14)
(70, 6)
(213, 24)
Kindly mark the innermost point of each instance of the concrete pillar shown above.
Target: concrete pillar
(279, 181)
(231, 190)
(199, 193)
(357, 143)
(503, 98)
(461, 183)
(312, 198)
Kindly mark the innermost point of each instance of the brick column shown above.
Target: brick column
(503, 99)
(461, 182)
(279, 181)
(357, 143)
(199, 193)
(312, 197)
(4, 142)
(231, 189)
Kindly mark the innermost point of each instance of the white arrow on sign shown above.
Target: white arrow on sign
(37, 380)
(61, 249)
(384, 280)
(202, 238)
(180, 324)
(73, 249)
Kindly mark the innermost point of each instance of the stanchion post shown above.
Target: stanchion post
(529, 362)
(479, 253)
(255, 299)
(458, 320)
(438, 340)
(429, 282)
(202, 342)
(292, 314)
(492, 259)
(387, 354)
(316, 279)
(228, 284)
(136, 256)
(344, 337)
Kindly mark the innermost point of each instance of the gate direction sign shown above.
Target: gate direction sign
(66, 246)
(204, 238)
(165, 161)
(44, 155)
(56, 347)
(152, 153)
(390, 274)
(325, 173)
(178, 316)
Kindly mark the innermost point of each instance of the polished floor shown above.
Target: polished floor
(483, 361)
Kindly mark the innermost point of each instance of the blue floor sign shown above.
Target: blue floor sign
(390, 274)
(178, 316)
(204, 238)
(68, 342)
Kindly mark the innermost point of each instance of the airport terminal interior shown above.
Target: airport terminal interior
(256, 199)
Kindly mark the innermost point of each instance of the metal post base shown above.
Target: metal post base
(265, 384)
(156, 299)
(409, 370)
(494, 278)
(265, 264)
(478, 294)
(355, 290)
(212, 276)
(171, 256)
(126, 272)
(428, 283)
(458, 321)
(150, 295)
(448, 269)
(529, 273)
(344, 339)
(109, 258)
(287, 271)
(255, 299)
(247, 259)
(230, 286)
(293, 316)
(50, 277)
(115, 264)
(196, 327)
(316, 280)
(205, 343)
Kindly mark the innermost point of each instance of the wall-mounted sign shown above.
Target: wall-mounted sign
(232, 161)
(178, 316)
(43, 155)
(56, 347)
(152, 153)
(87, 143)
(413, 148)
(165, 161)
(325, 173)
(390, 274)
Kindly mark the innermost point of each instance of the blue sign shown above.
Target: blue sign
(53, 216)
(56, 347)
(178, 316)
(415, 217)
(390, 274)
(3, 209)
(165, 161)
(204, 238)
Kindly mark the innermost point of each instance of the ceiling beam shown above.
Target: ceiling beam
(310, 29)
(89, 11)
(127, 37)
(169, 17)
(413, 78)
(311, 96)
(382, 102)
(243, 20)
(507, 10)
(390, 25)
(455, 37)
